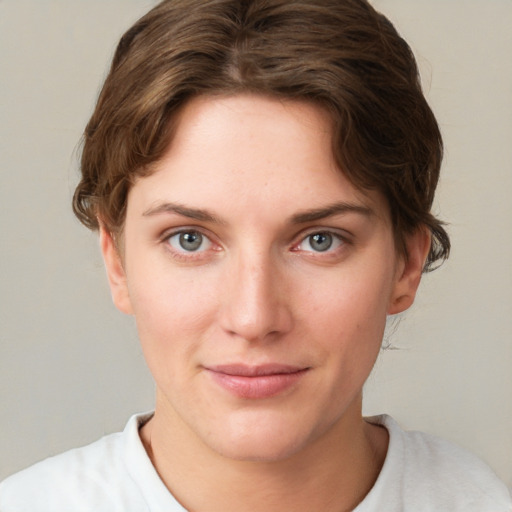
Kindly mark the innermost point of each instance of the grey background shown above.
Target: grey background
(70, 366)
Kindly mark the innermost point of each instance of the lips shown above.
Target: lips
(256, 382)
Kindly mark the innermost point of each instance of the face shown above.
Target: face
(260, 278)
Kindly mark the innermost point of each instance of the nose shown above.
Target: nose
(255, 302)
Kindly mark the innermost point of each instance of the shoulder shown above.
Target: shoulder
(93, 477)
(428, 473)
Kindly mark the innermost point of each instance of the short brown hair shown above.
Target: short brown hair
(339, 54)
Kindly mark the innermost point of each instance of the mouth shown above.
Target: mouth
(256, 382)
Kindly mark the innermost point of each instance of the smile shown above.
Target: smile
(256, 382)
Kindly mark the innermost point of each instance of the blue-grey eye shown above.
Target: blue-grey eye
(320, 242)
(189, 241)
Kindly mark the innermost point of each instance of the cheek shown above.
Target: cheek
(356, 299)
(173, 312)
(347, 315)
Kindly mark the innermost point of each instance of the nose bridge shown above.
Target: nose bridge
(255, 306)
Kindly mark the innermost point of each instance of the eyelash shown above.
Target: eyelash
(179, 253)
(335, 239)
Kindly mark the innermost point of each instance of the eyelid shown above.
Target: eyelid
(343, 236)
(204, 241)
(214, 246)
(167, 233)
(338, 232)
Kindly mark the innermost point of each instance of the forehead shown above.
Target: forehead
(255, 149)
(245, 121)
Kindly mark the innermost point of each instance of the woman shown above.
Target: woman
(261, 175)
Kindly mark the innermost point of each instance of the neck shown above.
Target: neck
(344, 463)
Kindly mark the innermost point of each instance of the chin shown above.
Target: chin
(256, 439)
(262, 450)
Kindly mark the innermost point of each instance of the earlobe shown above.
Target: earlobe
(409, 271)
(115, 272)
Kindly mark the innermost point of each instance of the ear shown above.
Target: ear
(409, 271)
(115, 272)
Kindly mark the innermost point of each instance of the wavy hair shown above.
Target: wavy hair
(340, 54)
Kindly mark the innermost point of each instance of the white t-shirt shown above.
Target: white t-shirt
(421, 473)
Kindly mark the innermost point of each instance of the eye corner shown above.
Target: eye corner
(320, 242)
(189, 244)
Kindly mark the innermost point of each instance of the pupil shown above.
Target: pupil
(321, 241)
(191, 241)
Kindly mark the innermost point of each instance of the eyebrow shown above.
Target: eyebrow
(184, 211)
(303, 217)
(339, 208)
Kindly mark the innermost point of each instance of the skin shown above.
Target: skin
(252, 179)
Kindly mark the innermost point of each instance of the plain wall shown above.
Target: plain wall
(70, 366)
